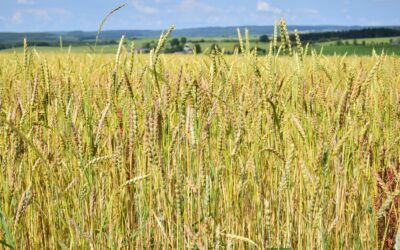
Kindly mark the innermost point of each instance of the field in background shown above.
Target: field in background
(293, 149)
(230, 44)
(368, 41)
(329, 48)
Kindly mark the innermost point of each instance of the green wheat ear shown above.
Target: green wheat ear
(61, 43)
(239, 34)
(161, 43)
(154, 54)
(105, 19)
(282, 28)
(26, 57)
(275, 40)
(246, 33)
(118, 55)
(299, 47)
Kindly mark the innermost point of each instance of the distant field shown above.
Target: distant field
(229, 46)
(138, 44)
(229, 43)
(357, 50)
(367, 40)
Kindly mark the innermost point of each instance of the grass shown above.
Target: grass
(208, 151)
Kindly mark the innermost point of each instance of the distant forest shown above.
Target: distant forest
(349, 34)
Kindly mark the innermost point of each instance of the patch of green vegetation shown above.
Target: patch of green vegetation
(367, 41)
(229, 44)
(357, 50)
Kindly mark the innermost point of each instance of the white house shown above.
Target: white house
(187, 49)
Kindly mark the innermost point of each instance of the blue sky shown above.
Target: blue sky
(53, 15)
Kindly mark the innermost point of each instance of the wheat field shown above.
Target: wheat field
(157, 151)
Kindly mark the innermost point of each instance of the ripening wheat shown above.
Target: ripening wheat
(203, 151)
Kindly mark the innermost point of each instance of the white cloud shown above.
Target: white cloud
(266, 7)
(194, 5)
(302, 13)
(17, 17)
(42, 14)
(308, 11)
(30, 2)
(144, 9)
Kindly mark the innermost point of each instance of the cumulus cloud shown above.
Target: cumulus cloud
(194, 5)
(30, 2)
(308, 11)
(17, 17)
(266, 7)
(143, 8)
(42, 14)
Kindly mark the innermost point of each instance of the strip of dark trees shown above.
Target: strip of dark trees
(349, 34)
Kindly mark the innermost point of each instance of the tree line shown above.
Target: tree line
(349, 34)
